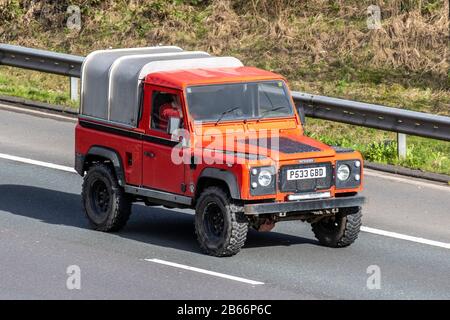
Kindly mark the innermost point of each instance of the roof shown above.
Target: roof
(203, 76)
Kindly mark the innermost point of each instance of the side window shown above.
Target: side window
(165, 106)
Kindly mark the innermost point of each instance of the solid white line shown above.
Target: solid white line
(37, 163)
(35, 112)
(211, 273)
(406, 237)
(391, 177)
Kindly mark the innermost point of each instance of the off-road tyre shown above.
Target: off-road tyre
(220, 230)
(339, 231)
(105, 203)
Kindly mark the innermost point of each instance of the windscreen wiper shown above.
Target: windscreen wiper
(271, 110)
(225, 113)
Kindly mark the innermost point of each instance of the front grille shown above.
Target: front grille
(305, 185)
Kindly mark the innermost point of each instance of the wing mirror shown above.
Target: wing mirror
(301, 113)
(174, 124)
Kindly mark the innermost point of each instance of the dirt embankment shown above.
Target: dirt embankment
(282, 34)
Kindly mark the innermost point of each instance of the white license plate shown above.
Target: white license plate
(307, 173)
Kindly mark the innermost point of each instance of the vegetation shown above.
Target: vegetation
(321, 46)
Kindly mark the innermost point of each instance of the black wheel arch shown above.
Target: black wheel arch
(98, 153)
(226, 178)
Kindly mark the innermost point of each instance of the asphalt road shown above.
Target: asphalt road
(43, 231)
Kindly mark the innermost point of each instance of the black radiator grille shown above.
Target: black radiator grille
(305, 185)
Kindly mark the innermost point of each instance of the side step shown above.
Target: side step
(159, 196)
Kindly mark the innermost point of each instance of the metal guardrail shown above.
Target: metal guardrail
(339, 110)
(375, 116)
(44, 61)
(41, 60)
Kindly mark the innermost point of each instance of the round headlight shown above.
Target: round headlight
(343, 172)
(264, 178)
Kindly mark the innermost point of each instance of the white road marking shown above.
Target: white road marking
(211, 273)
(406, 237)
(365, 229)
(36, 112)
(388, 176)
(37, 163)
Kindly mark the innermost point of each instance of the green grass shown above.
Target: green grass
(35, 86)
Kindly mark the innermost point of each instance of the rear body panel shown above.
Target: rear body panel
(126, 143)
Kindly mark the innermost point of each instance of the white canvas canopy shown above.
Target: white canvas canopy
(95, 77)
(124, 83)
(111, 79)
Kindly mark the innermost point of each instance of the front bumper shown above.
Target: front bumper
(304, 205)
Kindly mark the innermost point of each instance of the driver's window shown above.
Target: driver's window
(165, 106)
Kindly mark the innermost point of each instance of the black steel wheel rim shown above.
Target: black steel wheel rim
(213, 220)
(100, 198)
(331, 224)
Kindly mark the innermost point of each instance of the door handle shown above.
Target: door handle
(149, 154)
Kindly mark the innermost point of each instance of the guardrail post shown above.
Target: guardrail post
(401, 146)
(74, 89)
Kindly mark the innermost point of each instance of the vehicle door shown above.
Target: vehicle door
(160, 171)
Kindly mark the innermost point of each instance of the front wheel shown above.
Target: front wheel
(220, 230)
(340, 230)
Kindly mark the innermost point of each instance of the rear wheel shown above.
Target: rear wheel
(105, 203)
(340, 230)
(220, 230)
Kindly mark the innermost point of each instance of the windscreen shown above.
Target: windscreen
(239, 101)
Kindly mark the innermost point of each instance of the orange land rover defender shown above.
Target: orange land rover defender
(182, 129)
